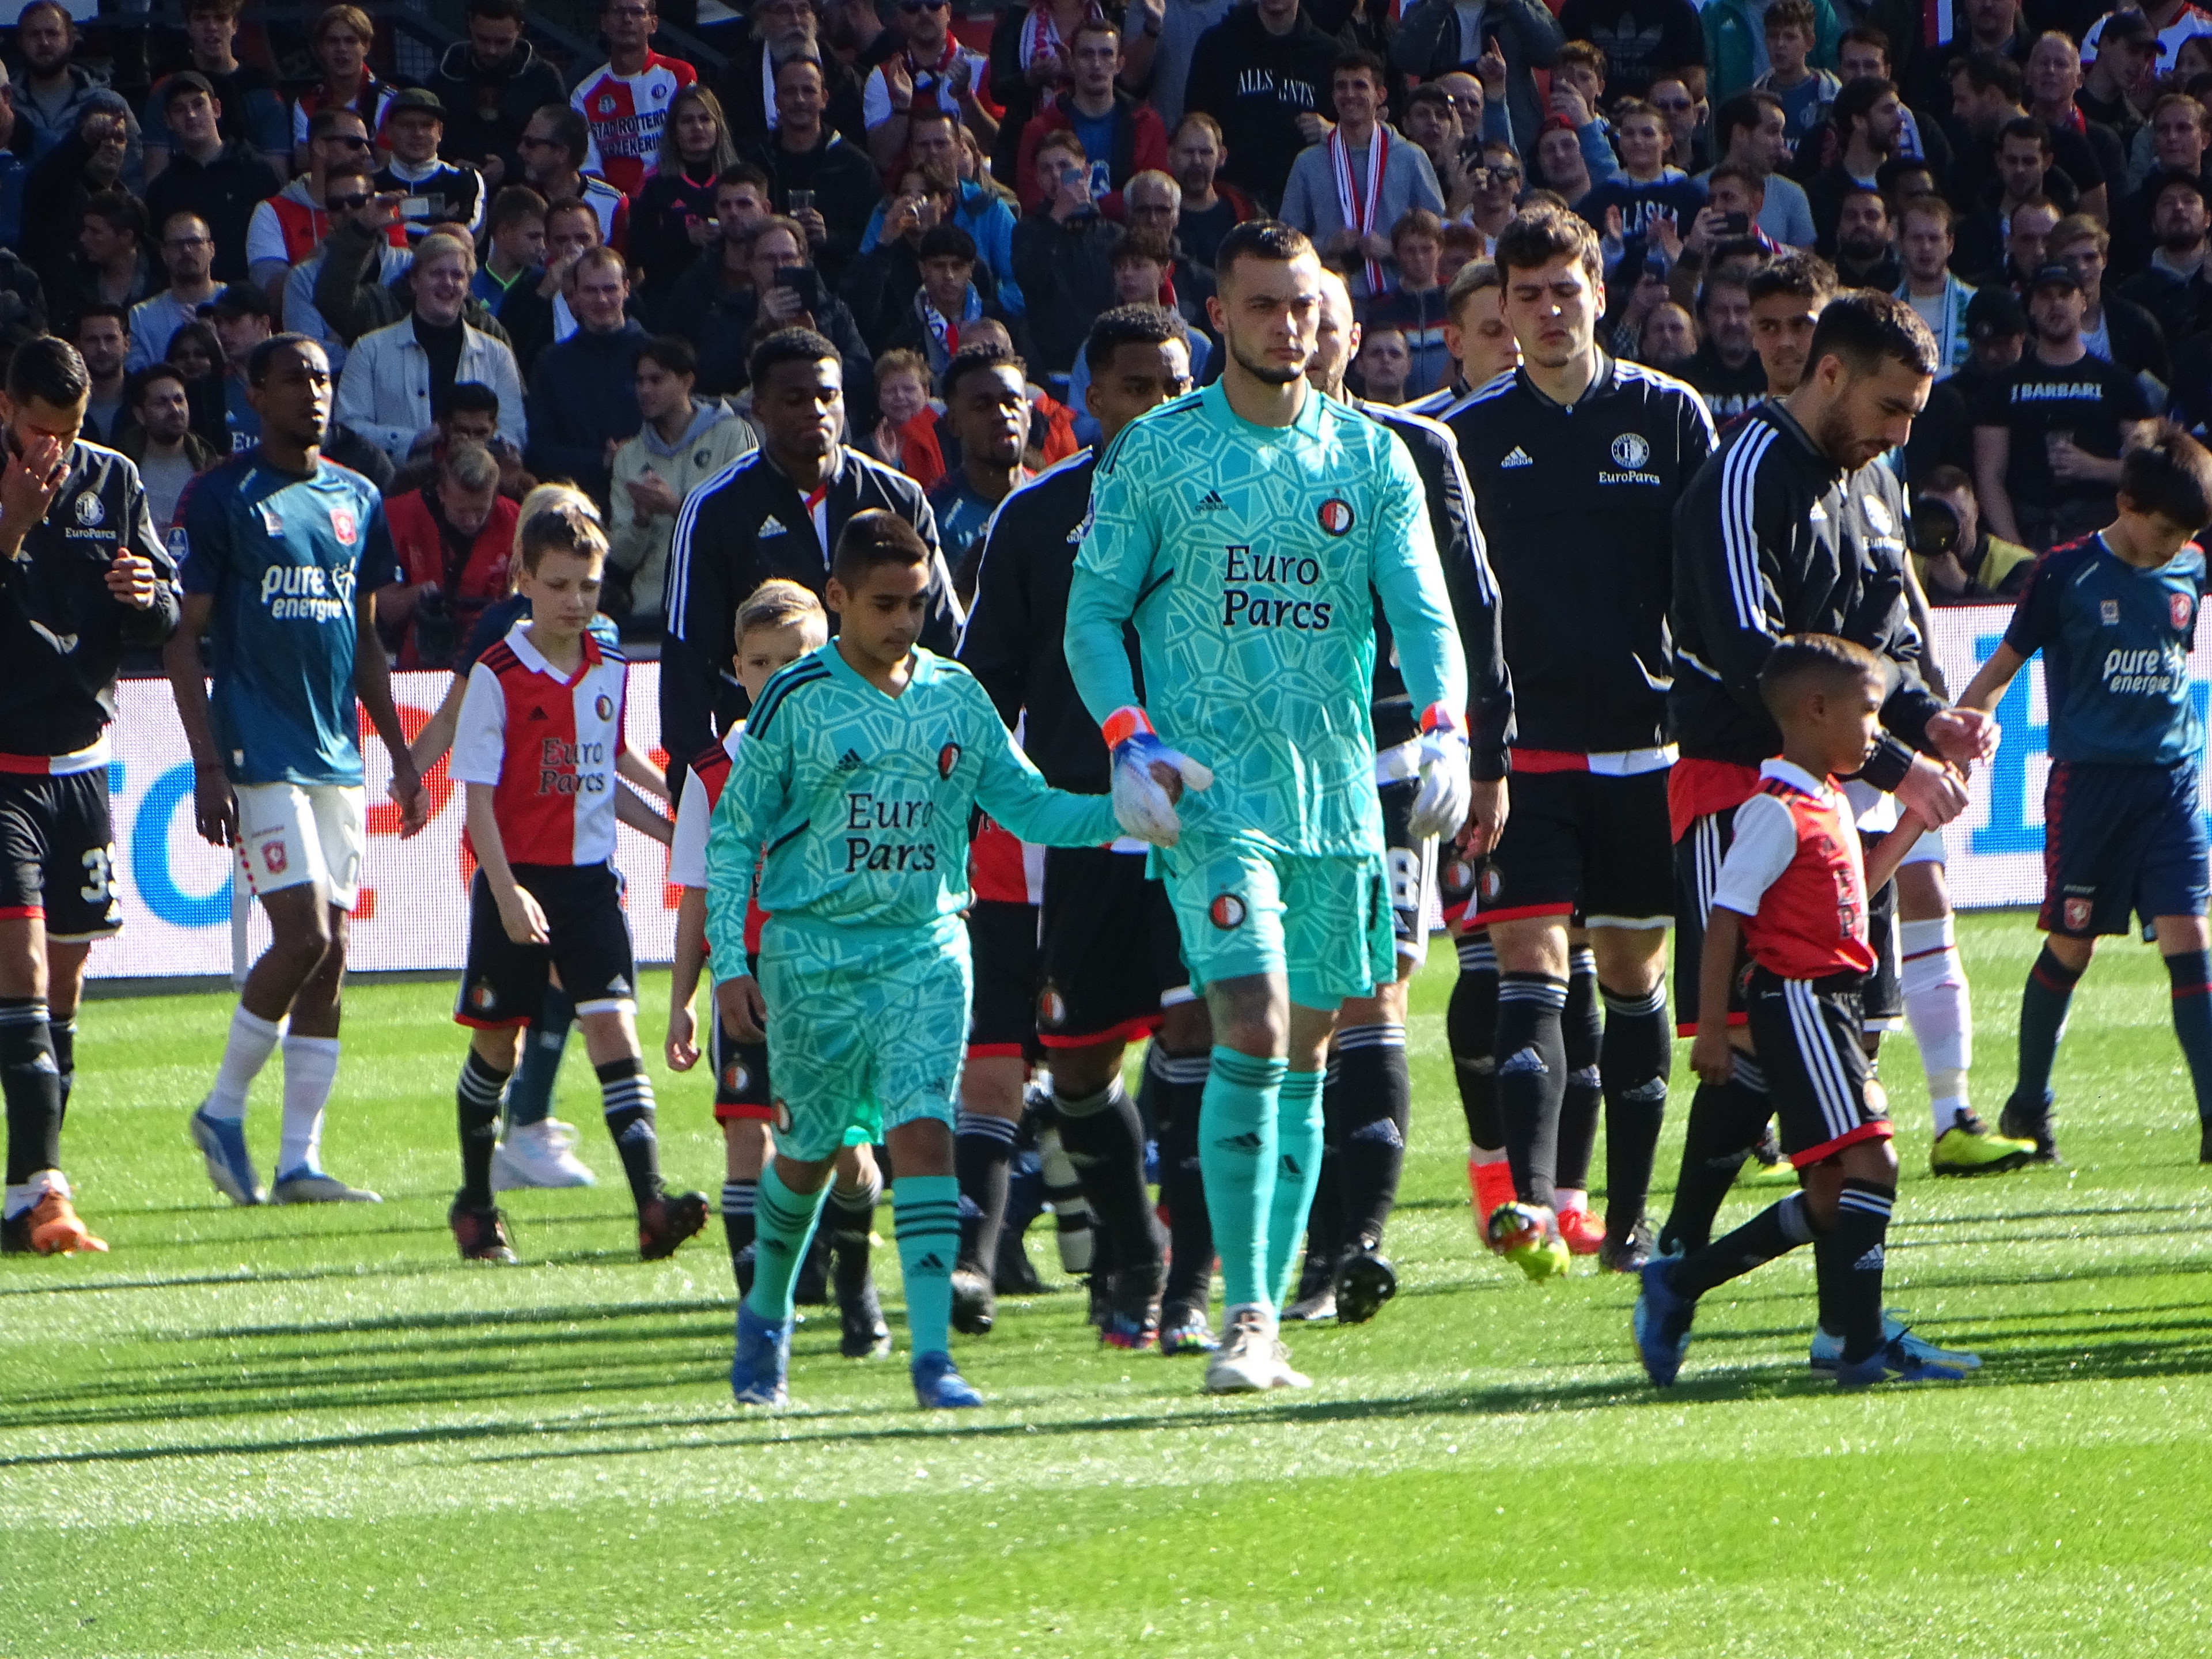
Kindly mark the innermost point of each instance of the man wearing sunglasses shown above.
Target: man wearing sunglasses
(294, 221)
(933, 68)
(347, 190)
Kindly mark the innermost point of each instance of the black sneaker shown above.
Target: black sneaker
(481, 1233)
(1014, 1273)
(1767, 1149)
(1364, 1281)
(811, 1289)
(1132, 1306)
(667, 1221)
(974, 1303)
(1314, 1300)
(863, 1335)
(2018, 1122)
(1626, 1255)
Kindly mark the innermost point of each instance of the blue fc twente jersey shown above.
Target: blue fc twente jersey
(283, 557)
(2115, 640)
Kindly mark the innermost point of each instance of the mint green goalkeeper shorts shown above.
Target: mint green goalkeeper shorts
(1242, 908)
(867, 1030)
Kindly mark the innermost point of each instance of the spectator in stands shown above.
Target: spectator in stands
(1675, 97)
(1415, 308)
(14, 165)
(85, 163)
(160, 440)
(342, 39)
(930, 67)
(112, 264)
(101, 334)
(54, 90)
(2178, 135)
(2024, 161)
(556, 143)
(1669, 340)
(1726, 371)
(292, 223)
(471, 416)
(1980, 29)
(1936, 296)
(1806, 92)
(674, 214)
(1737, 47)
(947, 300)
(1063, 256)
(710, 305)
(347, 190)
(489, 85)
(781, 31)
(1954, 556)
(682, 441)
(901, 436)
(253, 112)
(350, 292)
(1863, 54)
(1985, 98)
(536, 312)
(1181, 24)
(1263, 73)
(397, 377)
(1431, 124)
(1641, 39)
(452, 193)
(2126, 47)
(223, 183)
(187, 253)
(626, 99)
(2053, 76)
(1561, 166)
(514, 244)
(1142, 264)
(583, 396)
(835, 184)
(2113, 327)
(1748, 129)
(1518, 36)
(1865, 116)
(1211, 206)
(1121, 137)
(2032, 221)
(982, 207)
(452, 543)
(243, 321)
(788, 291)
(195, 353)
(1865, 255)
(2048, 437)
(1152, 202)
(2173, 285)
(1645, 192)
(1347, 191)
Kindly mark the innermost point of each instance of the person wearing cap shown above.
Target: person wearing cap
(2127, 47)
(2166, 23)
(252, 109)
(293, 224)
(451, 194)
(2048, 435)
(222, 181)
(2174, 284)
(1995, 326)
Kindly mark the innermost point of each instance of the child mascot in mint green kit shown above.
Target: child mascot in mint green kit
(860, 769)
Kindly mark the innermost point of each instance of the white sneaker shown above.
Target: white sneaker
(1285, 1376)
(1246, 1361)
(539, 1155)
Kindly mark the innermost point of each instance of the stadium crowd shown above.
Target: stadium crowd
(561, 306)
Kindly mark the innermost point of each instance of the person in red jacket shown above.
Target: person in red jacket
(1121, 137)
(451, 541)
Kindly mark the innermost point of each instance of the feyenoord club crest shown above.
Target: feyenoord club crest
(735, 1077)
(1052, 1007)
(1336, 516)
(480, 996)
(606, 103)
(1629, 450)
(2180, 605)
(342, 525)
(947, 758)
(2077, 914)
(1227, 911)
(89, 512)
(1458, 876)
(1489, 884)
(604, 707)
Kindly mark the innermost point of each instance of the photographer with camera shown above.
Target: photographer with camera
(451, 541)
(1956, 558)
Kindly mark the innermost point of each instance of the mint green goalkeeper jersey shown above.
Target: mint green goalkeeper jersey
(861, 800)
(1249, 559)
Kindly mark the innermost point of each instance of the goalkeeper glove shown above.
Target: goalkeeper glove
(1142, 804)
(1447, 791)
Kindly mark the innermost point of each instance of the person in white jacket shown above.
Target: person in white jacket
(397, 377)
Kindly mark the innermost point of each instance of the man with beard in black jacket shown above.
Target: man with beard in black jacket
(1264, 72)
(490, 84)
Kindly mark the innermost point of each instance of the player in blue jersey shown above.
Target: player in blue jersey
(281, 553)
(1246, 532)
(2115, 616)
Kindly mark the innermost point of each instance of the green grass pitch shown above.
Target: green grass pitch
(315, 1432)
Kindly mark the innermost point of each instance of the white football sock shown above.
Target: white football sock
(245, 1051)
(311, 1067)
(27, 1196)
(1941, 1016)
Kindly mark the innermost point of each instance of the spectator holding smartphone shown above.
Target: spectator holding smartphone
(1063, 258)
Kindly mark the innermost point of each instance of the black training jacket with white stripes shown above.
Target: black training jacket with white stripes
(1773, 538)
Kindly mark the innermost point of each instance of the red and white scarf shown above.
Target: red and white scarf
(1359, 214)
(1040, 34)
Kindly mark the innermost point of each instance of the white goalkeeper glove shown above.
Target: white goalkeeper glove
(1447, 791)
(1144, 803)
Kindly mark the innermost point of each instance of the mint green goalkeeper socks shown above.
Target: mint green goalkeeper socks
(925, 1213)
(783, 1226)
(1297, 1172)
(1237, 1160)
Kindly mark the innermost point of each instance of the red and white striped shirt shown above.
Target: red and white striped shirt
(548, 745)
(625, 113)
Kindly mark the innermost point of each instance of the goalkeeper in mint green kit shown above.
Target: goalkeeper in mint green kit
(1247, 531)
(859, 770)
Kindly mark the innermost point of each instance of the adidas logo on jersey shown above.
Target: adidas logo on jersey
(850, 761)
(1526, 1061)
(1519, 456)
(771, 525)
(1211, 502)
